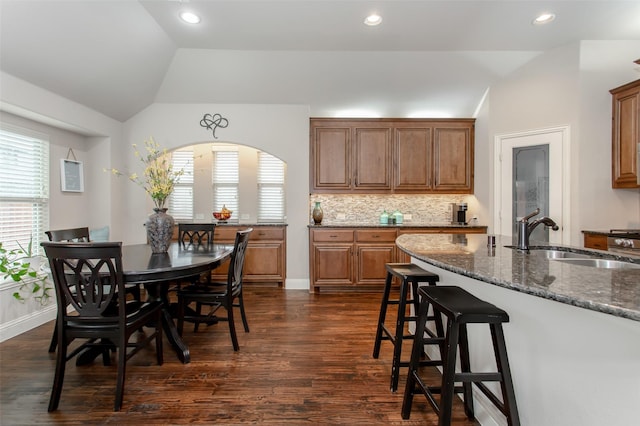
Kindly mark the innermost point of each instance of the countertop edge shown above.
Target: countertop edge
(533, 291)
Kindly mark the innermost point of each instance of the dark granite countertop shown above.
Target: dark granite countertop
(395, 225)
(610, 291)
(600, 232)
(235, 223)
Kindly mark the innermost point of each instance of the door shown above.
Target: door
(530, 175)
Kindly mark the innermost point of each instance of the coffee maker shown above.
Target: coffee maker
(459, 213)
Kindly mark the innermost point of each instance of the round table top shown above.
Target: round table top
(142, 266)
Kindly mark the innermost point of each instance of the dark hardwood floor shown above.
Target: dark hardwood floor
(307, 360)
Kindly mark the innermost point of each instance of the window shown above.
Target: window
(270, 188)
(225, 179)
(24, 187)
(181, 199)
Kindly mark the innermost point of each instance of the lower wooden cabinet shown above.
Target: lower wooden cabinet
(265, 259)
(595, 241)
(355, 258)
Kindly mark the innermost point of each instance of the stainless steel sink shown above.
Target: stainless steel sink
(599, 263)
(559, 254)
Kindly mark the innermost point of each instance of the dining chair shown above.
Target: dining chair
(88, 277)
(194, 234)
(77, 235)
(218, 295)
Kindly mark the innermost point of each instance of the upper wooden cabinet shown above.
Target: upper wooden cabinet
(392, 155)
(626, 136)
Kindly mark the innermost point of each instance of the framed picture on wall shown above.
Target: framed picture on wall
(71, 177)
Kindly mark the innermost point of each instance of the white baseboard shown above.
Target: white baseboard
(297, 284)
(27, 322)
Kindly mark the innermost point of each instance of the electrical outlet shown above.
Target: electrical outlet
(199, 216)
(341, 216)
(245, 216)
(407, 216)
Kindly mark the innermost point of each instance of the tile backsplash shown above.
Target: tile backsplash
(423, 208)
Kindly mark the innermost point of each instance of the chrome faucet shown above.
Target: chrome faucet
(525, 228)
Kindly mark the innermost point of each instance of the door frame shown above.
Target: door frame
(499, 140)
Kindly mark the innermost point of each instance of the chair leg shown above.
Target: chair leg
(58, 380)
(416, 353)
(397, 350)
(197, 316)
(122, 364)
(448, 374)
(465, 365)
(159, 349)
(54, 338)
(242, 313)
(232, 326)
(382, 317)
(502, 363)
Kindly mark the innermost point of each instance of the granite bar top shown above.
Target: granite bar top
(234, 223)
(396, 225)
(610, 291)
(600, 232)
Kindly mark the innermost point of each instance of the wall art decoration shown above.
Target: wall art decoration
(212, 122)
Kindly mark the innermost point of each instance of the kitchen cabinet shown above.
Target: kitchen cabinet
(265, 258)
(625, 148)
(350, 156)
(391, 155)
(355, 258)
(595, 241)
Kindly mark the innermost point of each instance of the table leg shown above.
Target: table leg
(174, 338)
(161, 292)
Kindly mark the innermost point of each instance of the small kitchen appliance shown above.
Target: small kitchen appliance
(624, 241)
(459, 213)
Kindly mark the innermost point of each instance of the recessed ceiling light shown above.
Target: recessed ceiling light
(544, 18)
(373, 20)
(190, 17)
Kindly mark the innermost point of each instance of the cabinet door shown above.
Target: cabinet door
(370, 263)
(595, 241)
(331, 156)
(453, 159)
(332, 265)
(372, 148)
(626, 136)
(413, 160)
(264, 261)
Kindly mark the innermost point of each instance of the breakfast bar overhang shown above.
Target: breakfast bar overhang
(573, 338)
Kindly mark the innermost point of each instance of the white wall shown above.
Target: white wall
(561, 88)
(281, 130)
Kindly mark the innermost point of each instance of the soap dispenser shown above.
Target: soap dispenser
(384, 218)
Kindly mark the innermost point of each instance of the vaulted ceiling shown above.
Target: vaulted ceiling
(426, 58)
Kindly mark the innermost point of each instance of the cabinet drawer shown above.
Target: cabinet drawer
(225, 233)
(595, 241)
(270, 233)
(336, 235)
(376, 235)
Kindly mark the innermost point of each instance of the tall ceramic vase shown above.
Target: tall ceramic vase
(317, 213)
(159, 230)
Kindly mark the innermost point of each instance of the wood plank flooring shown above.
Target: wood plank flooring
(307, 360)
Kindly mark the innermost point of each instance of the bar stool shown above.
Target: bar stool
(460, 308)
(410, 275)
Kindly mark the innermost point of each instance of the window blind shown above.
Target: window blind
(181, 199)
(226, 177)
(24, 188)
(271, 201)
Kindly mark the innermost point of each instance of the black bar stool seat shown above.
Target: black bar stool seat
(409, 275)
(460, 308)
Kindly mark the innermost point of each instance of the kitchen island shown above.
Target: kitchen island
(574, 333)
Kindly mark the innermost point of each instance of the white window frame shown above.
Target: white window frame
(225, 179)
(24, 187)
(181, 199)
(271, 188)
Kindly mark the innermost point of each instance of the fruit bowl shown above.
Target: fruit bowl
(222, 216)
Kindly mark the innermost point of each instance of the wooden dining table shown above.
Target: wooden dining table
(156, 272)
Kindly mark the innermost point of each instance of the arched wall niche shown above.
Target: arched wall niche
(203, 203)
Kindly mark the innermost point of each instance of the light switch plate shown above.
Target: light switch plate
(341, 216)
(407, 217)
(199, 216)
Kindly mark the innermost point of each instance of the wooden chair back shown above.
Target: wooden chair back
(69, 235)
